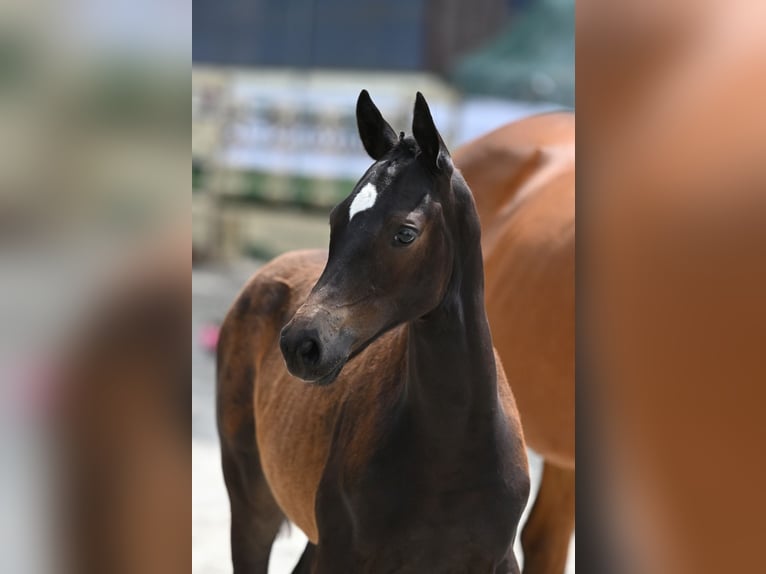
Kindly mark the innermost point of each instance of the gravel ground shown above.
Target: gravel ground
(213, 291)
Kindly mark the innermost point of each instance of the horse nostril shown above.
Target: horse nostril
(308, 351)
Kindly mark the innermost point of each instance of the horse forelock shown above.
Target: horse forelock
(381, 177)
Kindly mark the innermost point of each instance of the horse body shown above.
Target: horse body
(406, 454)
(523, 180)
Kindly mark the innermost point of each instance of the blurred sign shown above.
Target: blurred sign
(305, 123)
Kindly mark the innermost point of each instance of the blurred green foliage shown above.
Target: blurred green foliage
(532, 61)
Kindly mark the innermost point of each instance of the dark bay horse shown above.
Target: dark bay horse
(404, 452)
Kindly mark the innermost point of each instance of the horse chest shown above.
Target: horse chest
(416, 508)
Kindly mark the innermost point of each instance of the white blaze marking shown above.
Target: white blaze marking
(363, 201)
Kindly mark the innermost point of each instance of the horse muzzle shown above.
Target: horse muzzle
(315, 349)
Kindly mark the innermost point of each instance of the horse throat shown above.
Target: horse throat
(451, 374)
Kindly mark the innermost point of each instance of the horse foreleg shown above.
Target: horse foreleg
(547, 532)
(255, 516)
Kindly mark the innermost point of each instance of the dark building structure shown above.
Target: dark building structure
(391, 35)
(310, 33)
(522, 49)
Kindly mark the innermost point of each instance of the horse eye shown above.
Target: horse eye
(405, 235)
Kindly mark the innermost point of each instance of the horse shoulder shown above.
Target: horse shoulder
(252, 377)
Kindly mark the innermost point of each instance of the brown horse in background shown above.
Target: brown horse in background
(523, 179)
(405, 453)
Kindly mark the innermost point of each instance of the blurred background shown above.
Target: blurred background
(274, 86)
(94, 248)
(94, 183)
(275, 146)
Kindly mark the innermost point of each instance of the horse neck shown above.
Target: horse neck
(452, 376)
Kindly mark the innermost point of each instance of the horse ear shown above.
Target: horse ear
(430, 141)
(378, 137)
